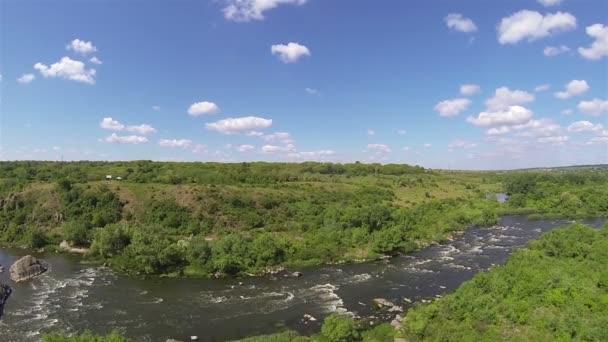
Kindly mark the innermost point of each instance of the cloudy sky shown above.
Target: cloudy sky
(472, 84)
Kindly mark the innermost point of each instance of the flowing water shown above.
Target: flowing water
(73, 296)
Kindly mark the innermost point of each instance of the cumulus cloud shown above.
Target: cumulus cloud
(542, 87)
(143, 129)
(244, 125)
(312, 155)
(552, 51)
(458, 22)
(532, 25)
(556, 140)
(68, 69)
(574, 88)
(549, 3)
(114, 125)
(245, 148)
(469, 89)
(453, 107)
(248, 10)
(111, 124)
(538, 128)
(504, 98)
(95, 60)
(585, 126)
(203, 108)
(599, 48)
(26, 78)
(278, 149)
(514, 115)
(289, 53)
(126, 139)
(462, 144)
(173, 143)
(378, 148)
(282, 137)
(81, 47)
(595, 107)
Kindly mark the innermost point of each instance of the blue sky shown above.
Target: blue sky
(445, 84)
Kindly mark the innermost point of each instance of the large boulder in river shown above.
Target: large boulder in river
(26, 268)
(381, 303)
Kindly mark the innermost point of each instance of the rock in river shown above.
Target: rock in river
(381, 303)
(26, 268)
(5, 291)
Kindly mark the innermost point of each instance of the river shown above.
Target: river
(73, 296)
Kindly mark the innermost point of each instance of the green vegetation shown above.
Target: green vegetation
(336, 328)
(200, 219)
(555, 290)
(86, 337)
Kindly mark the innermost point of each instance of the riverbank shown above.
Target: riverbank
(75, 294)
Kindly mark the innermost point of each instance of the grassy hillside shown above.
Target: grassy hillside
(555, 290)
(199, 219)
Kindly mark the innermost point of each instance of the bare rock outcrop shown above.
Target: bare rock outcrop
(26, 268)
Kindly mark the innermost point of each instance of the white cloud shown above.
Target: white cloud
(453, 107)
(156, 108)
(599, 48)
(427, 145)
(542, 87)
(95, 60)
(244, 125)
(549, 3)
(282, 137)
(126, 139)
(143, 129)
(68, 69)
(401, 132)
(538, 128)
(290, 53)
(311, 91)
(567, 112)
(26, 78)
(173, 143)
(585, 126)
(595, 107)
(371, 132)
(81, 47)
(505, 98)
(203, 108)
(278, 149)
(111, 124)
(574, 88)
(556, 140)
(458, 22)
(378, 148)
(469, 89)
(247, 10)
(115, 125)
(532, 25)
(514, 115)
(461, 144)
(552, 51)
(498, 130)
(245, 148)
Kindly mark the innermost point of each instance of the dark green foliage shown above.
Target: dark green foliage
(553, 291)
(77, 233)
(339, 328)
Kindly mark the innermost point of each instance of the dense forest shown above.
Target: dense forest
(202, 219)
